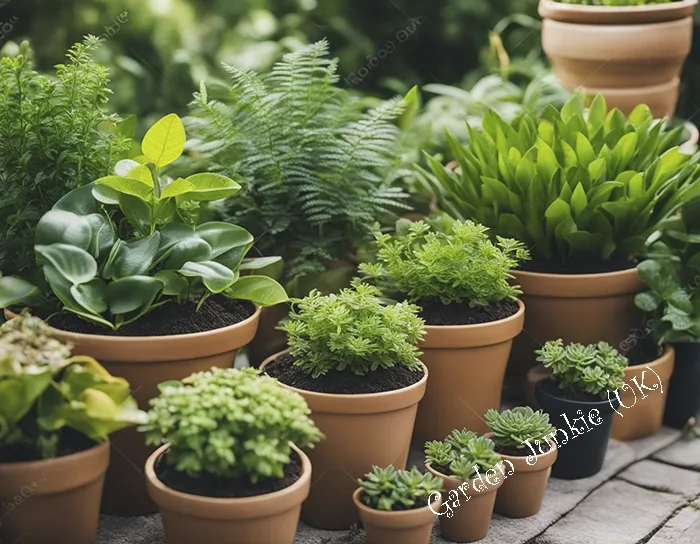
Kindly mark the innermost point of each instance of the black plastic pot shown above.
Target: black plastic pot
(683, 395)
(581, 454)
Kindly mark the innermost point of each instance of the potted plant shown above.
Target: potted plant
(521, 494)
(355, 361)
(583, 189)
(580, 401)
(131, 279)
(229, 469)
(464, 462)
(461, 281)
(582, 41)
(398, 506)
(57, 412)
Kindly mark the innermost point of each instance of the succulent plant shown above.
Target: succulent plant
(512, 427)
(464, 453)
(390, 489)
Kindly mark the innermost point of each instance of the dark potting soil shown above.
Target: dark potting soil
(643, 351)
(170, 319)
(342, 383)
(208, 485)
(552, 387)
(588, 267)
(69, 442)
(523, 452)
(436, 313)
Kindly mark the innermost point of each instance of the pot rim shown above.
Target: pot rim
(56, 461)
(472, 492)
(398, 514)
(615, 14)
(572, 402)
(549, 458)
(478, 326)
(604, 284)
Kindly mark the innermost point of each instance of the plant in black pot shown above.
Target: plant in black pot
(580, 401)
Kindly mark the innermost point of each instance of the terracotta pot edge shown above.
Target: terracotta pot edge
(559, 285)
(398, 515)
(549, 9)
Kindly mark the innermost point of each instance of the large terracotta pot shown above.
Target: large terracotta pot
(267, 519)
(360, 431)
(469, 519)
(400, 527)
(56, 500)
(642, 409)
(584, 308)
(632, 54)
(467, 364)
(146, 361)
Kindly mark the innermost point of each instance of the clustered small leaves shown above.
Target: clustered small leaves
(390, 489)
(511, 428)
(460, 265)
(230, 423)
(463, 452)
(353, 330)
(593, 368)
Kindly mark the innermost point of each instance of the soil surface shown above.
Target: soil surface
(436, 313)
(592, 267)
(552, 388)
(512, 451)
(208, 485)
(345, 382)
(170, 319)
(69, 442)
(420, 503)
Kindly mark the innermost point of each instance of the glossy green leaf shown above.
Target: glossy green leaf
(165, 141)
(210, 187)
(192, 248)
(265, 266)
(127, 186)
(647, 302)
(58, 226)
(74, 264)
(173, 283)
(91, 295)
(223, 237)
(133, 294)
(216, 277)
(131, 258)
(16, 291)
(176, 188)
(261, 290)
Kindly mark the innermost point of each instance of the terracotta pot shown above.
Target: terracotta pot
(146, 361)
(267, 519)
(401, 527)
(467, 364)
(522, 491)
(56, 500)
(642, 410)
(268, 339)
(601, 48)
(584, 308)
(360, 431)
(469, 519)
(661, 99)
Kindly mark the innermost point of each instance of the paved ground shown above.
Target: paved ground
(647, 493)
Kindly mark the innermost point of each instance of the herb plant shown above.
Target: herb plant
(353, 330)
(511, 428)
(461, 265)
(112, 268)
(55, 135)
(576, 186)
(390, 489)
(229, 423)
(593, 369)
(462, 452)
(44, 391)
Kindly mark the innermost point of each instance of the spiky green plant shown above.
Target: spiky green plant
(511, 428)
(390, 489)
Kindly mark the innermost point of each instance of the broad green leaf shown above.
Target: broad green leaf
(596, 169)
(624, 150)
(58, 226)
(584, 150)
(223, 237)
(193, 249)
(124, 166)
(127, 186)
(681, 300)
(79, 201)
(132, 294)
(173, 233)
(176, 188)
(578, 200)
(74, 264)
(640, 114)
(137, 212)
(103, 235)
(261, 290)
(267, 266)
(173, 283)
(573, 106)
(91, 295)
(16, 291)
(647, 302)
(216, 277)
(650, 272)
(141, 173)
(597, 111)
(105, 195)
(131, 258)
(165, 141)
(210, 187)
(557, 212)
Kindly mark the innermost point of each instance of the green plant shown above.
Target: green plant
(44, 391)
(112, 268)
(464, 453)
(576, 186)
(460, 265)
(511, 428)
(55, 136)
(390, 489)
(593, 368)
(353, 330)
(314, 161)
(229, 423)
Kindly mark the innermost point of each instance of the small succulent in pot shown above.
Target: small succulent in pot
(390, 489)
(463, 454)
(512, 428)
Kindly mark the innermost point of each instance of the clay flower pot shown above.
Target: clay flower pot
(683, 398)
(272, 517)
(467, 520)
(584, 308)
(522, 492)
(55, 500)
(360, 431)
(632, 54)
(467, 364)
(643, 398)
(400, 527)
(146, 361)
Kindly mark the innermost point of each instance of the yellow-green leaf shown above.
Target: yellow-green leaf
(165, 141)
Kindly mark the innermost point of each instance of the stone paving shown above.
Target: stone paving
(647, 493)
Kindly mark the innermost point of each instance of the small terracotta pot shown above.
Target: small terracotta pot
(360, 431)
(268, 339)
(55, 500)
(584, 308)
(270, 518)
(146, 361)
(522, 491)
(467, 364)
(401, 527)
(642, 410)
(467, 519)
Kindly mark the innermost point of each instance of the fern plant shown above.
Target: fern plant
(390, 489)
(55, 135)
(316, 164)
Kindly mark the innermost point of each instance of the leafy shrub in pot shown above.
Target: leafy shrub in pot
(462, 282)
(57, 412)
(355, 360)
(230, 464)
